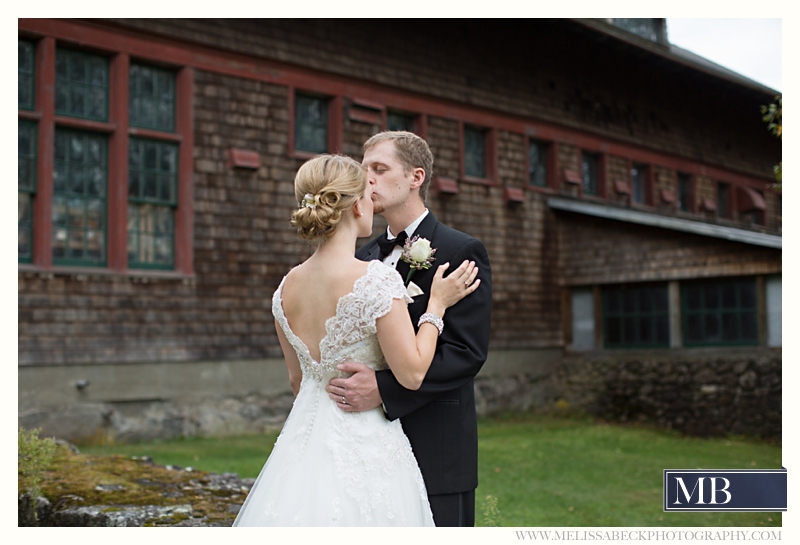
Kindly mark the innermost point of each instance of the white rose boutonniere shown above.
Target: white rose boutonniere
(417, 252)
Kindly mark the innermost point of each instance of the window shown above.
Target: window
(537, 164)
(474, 152)
(152, 197)
(25, 75)
(638, 183)
(79, 198)
(589, 173)
(26, 183)
(81, 85)
(635, 316)
(400, 122)
(582, 319)
(98, 212)
(720, 312)
(723, 200)
(685, 192)
(311, 124)
(152, 98)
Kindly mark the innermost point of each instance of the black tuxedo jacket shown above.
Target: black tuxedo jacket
(439, 418)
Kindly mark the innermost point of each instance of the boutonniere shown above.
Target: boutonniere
(417, 252)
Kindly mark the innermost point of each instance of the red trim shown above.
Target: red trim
(46, 104)
(365, 116)
(117, 226)
(336, 124)
(514, 194)
(29, 115)
(242, 158)
(421, 125)
(668, 197)
(164, 50)
(447, 186)
(749, 200)
(184, 214)
(572, 177)
(621, 187)
(155, 135)
(87, 124)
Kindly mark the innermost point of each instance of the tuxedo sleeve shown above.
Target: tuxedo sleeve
(461, 350)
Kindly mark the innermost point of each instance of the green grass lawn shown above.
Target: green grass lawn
(542, 470)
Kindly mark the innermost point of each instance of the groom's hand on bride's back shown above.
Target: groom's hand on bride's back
(358, 392)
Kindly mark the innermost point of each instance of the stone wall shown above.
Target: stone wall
(705, 392)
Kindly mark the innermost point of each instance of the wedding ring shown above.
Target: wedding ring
(344, 400)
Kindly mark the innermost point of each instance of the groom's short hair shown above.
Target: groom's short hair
(411, 151)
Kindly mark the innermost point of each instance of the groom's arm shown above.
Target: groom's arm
(462, 347)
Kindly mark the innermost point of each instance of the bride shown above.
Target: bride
(330, 467)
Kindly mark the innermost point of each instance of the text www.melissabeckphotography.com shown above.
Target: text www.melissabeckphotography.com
(649, 535)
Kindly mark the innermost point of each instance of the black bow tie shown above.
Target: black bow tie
(388, 245)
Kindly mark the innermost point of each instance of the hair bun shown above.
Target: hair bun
(336, 182)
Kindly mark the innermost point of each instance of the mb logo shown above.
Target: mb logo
(715, 485)
(725, 490)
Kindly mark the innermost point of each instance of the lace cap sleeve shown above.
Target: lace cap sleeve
(383, 287)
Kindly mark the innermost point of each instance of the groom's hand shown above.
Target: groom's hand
(357, 393)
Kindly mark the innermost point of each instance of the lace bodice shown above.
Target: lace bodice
(351, 333)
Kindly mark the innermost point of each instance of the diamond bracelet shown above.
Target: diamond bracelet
(431, 318)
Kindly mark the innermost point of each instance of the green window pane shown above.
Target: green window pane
(152, 171)
(25, 77)
(635, 316)
(151, 236)
(684, 192)
(720, 312)
(151, 98)
(537, 164)
(311, 124)
(26, 154)
(81, 85)
(79, 198)
(589, 173)
(399, 122)
(474, 152)
(723, 199)
(638, 177)
(25, 222)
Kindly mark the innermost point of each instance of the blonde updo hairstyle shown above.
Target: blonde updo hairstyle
(326, 187)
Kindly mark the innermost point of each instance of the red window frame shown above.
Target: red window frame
(490, 150)
(119, 132)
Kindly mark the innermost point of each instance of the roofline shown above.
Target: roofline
(677, 55)
(666, 222)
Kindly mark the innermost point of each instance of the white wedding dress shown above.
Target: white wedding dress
(335, 468)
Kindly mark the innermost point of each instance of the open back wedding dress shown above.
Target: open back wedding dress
(330, 467)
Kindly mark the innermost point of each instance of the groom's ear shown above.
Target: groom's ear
(419, 178)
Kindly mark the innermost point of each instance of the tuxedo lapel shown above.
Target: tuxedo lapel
(422, 278)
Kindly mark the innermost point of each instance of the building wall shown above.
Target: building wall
(105, 327)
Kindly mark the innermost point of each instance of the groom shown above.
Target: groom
(439, 418)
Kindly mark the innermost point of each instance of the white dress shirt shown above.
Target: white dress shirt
(394, 257)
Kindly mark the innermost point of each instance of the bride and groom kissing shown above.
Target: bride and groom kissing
(383, 430)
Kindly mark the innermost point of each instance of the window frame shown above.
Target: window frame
(647, 186)
(489, 149)
(691, 184)
(549, 163)
(118, 131)
(728, 213)
(600, 174)
(334, 121)
(653, 315)
(719, 311)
